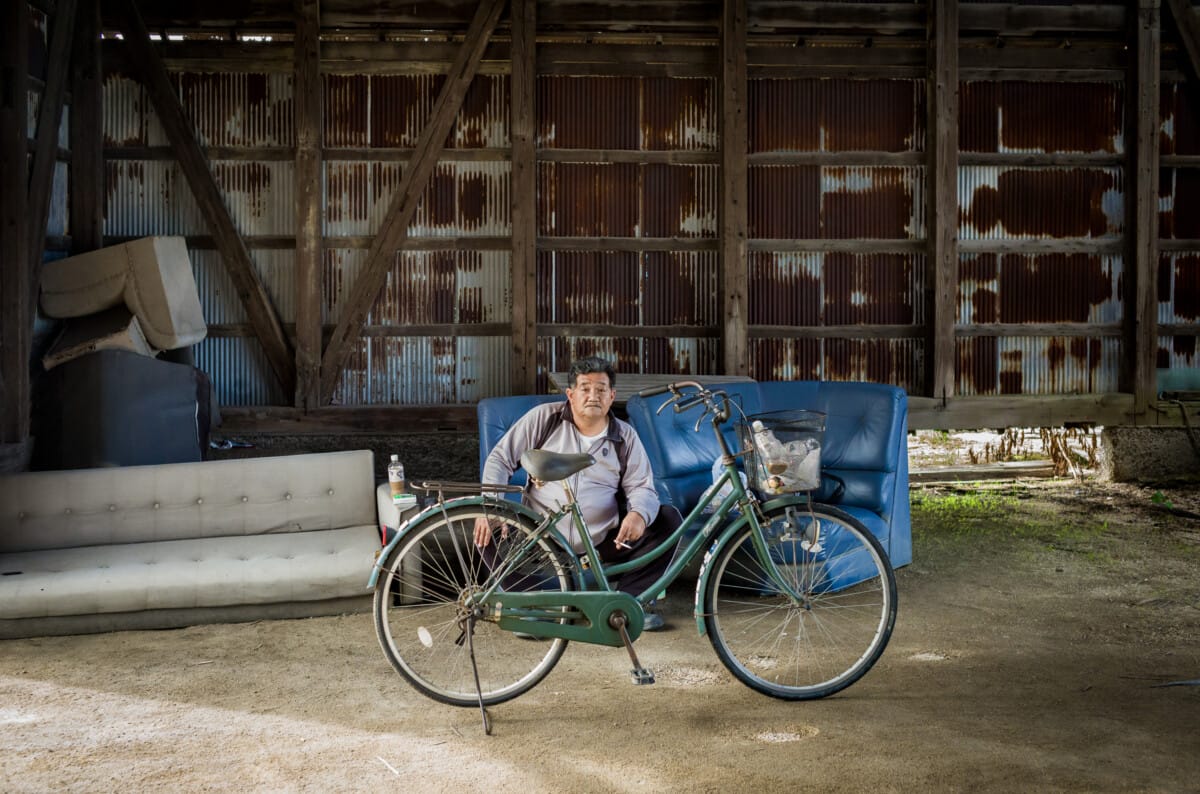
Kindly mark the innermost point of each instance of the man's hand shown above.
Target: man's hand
(483, 531)
(632, 529)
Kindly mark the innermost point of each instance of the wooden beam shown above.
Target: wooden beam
(208, 197)
(523, 130)
(999, 411)
(734, 213)
(86, 133)
(45, 152)
(394, 228)
(309, 99)
(942, 215)
(1188, 25)
(1144, 193)
(16, 284)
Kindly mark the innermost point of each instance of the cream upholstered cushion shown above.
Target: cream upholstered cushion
(181, 574)
(152, 276)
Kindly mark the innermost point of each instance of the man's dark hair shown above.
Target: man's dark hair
(589, 365)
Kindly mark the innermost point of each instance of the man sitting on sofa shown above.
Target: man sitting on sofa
(616, 494)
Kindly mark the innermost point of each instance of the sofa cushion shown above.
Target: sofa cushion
(185, 501)
(183, 574)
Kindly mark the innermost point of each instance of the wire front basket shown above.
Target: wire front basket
(784, 450)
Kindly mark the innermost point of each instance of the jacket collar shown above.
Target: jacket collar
(612, 434)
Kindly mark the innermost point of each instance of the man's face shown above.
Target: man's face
(591, 396)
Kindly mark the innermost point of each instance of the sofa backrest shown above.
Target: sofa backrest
(178, 501)
(497, 414)
(863, 445)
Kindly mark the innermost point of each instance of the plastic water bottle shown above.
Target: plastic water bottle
(773, 453)
(395, 471)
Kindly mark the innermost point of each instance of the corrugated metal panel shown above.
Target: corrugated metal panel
(1040, 288)
(1037, 365)
(679, 113)
(836, 202)
(1000, 202)
(1016, 116)
(1180, 128)
(894, 361)
(813, 288)
(587, 199)
(424, 370)
(836, 115)
(588, 287)
(463, 199)
(445, 287)
(556, 353)
(1179, 288)
(152, 197)
(679, 200)
(218, 296)
(123, 117)
(1178, 197)
(588, 112)
(681, 356)
(239, 372)
(1178, 352)
(238, 109)
(679, 288)
(341, 269)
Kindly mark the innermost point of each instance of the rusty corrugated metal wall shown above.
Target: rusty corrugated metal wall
(837, 268)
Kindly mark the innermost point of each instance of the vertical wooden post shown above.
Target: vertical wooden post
(308, 91)
(734, 277)
(1144, 190)
(16, 323)
(942, 194)
(87, 133)
(45, 150)
(524, 197)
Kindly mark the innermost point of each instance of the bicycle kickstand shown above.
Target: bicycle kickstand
(470, 632)
(640, 674)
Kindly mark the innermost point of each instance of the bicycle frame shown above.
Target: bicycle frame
(738, 500)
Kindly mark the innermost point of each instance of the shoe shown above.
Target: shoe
(652, 621)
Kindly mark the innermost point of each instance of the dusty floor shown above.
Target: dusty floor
(1039, 629)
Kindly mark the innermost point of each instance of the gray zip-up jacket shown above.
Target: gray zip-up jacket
(553, 426)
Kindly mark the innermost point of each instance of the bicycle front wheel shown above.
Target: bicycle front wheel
(826, 636)
(424, 608)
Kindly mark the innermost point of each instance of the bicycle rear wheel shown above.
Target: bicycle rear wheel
(820, 643)
(423, 611)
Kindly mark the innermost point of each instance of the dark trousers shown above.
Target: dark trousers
(636, 582)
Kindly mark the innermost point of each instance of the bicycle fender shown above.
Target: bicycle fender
(435, 511)
(720, 543)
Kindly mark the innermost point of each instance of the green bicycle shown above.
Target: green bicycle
(797, 598)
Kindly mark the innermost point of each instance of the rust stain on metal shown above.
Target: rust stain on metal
(1010, 372)
(796, 217)
(1043, 288)
(346, 108)
(472, 200)
(1051, 202)
(782, 290)
(678, 114)
(977, 364)
(670, 199)
(867, 288)
(588, 112)
(596, 287)
(835, 115)
(1182, 188)
(253, 179)
(881, 211)
(399, 108)
(587, 200)
(1180, 131)
(1047, 117)
(1187, 287)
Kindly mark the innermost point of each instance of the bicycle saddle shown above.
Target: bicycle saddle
(554, 466)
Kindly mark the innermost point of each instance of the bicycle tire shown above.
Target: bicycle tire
(420, 618)
(829, 639)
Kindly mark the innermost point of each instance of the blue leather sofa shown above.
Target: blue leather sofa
(865, 445)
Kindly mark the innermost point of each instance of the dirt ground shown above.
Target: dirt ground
(1048, 638)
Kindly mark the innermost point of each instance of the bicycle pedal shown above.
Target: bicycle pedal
(642, 676)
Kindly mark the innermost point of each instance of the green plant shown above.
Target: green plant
(1159, 499)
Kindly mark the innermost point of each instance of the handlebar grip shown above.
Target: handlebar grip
(653, 390)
